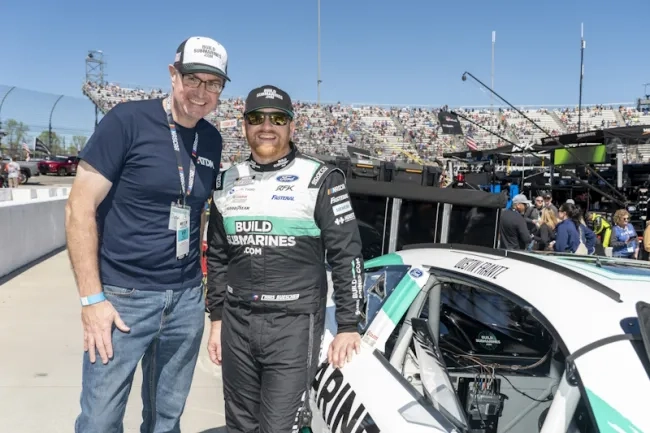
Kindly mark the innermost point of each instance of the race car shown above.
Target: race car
(458, 338)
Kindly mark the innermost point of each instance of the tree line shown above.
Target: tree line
(16, 133)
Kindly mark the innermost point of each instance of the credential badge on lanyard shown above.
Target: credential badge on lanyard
(185, 192)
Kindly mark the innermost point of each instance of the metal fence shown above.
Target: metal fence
(62, 122)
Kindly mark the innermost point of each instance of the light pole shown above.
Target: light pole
(2, 132)
(582, 74)
(49, 131)
(318, 73)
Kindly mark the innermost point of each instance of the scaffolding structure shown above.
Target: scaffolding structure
(95, 72)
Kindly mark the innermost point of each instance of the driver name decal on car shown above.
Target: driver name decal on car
(342, 410)
(480, 268)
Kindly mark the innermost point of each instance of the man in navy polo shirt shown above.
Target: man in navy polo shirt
(133, 233)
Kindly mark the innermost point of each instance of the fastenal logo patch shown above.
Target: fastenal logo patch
(282, 197)
(339, 198)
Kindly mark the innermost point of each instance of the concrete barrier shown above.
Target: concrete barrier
(27, 194)
(5, 194)
(30, 229)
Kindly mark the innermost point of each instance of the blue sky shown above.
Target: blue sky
(383, 52)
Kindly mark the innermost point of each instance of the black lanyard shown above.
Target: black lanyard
(177, 151)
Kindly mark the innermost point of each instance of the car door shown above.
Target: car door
(368, 394)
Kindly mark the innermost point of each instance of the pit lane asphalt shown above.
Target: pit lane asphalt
(41, 352)
(48, 180)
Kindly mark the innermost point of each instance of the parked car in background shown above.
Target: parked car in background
(61, 165)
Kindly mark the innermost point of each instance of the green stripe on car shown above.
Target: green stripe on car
(609, 420)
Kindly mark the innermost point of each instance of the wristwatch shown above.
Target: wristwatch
(93, 299)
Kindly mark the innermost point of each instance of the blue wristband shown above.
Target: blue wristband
(93, 299)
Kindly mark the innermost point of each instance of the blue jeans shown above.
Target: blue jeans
(166, 332)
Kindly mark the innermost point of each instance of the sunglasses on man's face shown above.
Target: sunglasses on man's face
(277, 118)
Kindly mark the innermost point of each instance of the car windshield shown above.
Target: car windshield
(379, 283)
(623, 267)
(60, 159)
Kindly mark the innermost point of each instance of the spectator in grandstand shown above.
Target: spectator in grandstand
(625, 242)
(136, 257)
(513, 232)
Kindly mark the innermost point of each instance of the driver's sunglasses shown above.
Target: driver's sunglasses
(276, 118)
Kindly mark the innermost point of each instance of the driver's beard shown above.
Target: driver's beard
(269, 153)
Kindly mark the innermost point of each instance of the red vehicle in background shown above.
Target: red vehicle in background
(61, 165)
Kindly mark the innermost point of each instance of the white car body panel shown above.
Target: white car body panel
(580, 315)
(364, 386)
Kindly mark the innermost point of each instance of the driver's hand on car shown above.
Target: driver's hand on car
(98, 320)
(343, 347)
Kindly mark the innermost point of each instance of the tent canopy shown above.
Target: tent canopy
(409, 191)
(626, 135)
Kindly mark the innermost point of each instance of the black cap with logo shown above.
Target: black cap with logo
(269, 97)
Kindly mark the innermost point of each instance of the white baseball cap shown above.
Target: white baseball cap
(202, 55)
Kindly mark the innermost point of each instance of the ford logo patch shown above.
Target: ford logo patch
(287, 178)
(416, 273)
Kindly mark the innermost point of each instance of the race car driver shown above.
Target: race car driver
(271, 220)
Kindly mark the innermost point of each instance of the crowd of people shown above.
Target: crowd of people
(409, 134)
(543, 226)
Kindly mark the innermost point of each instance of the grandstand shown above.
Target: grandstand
(398, 133)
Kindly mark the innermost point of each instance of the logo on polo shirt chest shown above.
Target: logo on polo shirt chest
(205, 162)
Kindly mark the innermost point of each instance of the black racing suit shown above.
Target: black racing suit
(269, 228)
